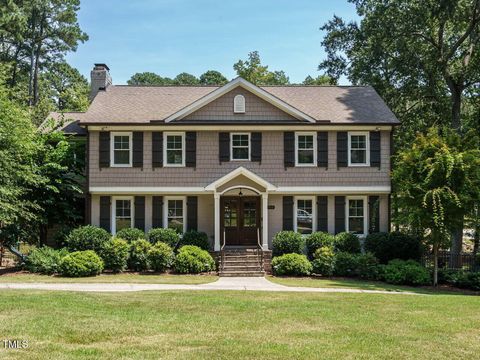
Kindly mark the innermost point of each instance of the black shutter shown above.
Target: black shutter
(224, 147)
(322, 149)
(322, 213)
(373, 214)
(105, 213)
(342, 149)
(139, 222)
(192, 212)
(375, 148)
(256, 153)
(104, 148)
(288, 213)
(191, 149)
(137, 144)
(157, 213)
(289, 149)
(157, 149)
(339, 214)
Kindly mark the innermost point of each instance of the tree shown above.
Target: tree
(252, 70)
(438, 182)
(149, 78)
(186, 79)
(319, 80)
(213, 77)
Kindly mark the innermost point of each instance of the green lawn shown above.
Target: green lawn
(107, 278)
(238, 325)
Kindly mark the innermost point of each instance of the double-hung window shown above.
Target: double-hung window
(357, 215)
(175, 214)
(174, 149)
(122, 213)
(121, 149)
(240, 146)
(358, 149)
(305, 149)
(304, 215)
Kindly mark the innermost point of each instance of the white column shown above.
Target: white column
(216, 220)
(265, 221)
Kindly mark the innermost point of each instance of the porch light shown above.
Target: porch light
(240, 192)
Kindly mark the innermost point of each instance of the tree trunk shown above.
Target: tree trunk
(43, 235)
(435, 264)
(456, 248)
(35, 76)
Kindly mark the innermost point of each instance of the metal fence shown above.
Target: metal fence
(446, 260)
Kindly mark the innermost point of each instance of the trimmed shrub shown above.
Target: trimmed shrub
(160, 256)
(287, 242)
(367, 266)
(87, 238)
(130, 234)
(196, 238)
(395, 245)
(465, 280)
(115, 254)
(291, 264)
(138, 257)
(405, 272)
(44, 260)
(324, 262)
(347, 242)
(346, 264)
(81, 263)
(167, 236)
(193, 260)
(318, 240)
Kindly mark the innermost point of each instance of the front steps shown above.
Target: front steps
(242, 262)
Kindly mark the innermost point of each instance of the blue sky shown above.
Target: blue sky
(171, 36)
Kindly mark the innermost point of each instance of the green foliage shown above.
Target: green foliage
(193, 237)
(160, 256)
(87, 238)
(317, 240)
(405, 272)
(252, 70)
(193, 260)
(44, 260)
(167, 236)
(320, 80)
(346, 264)
(148, 78)
(286, 242)
(465, 280)
(347, 242)
(81, 263)
(213, 77)
(324, 261)
(138, 259)
(114, 254)
(364, 266)
(185, 79)
(130, 234)
(291, 264)
(395, 245)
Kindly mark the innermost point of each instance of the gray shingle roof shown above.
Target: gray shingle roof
(65, 121)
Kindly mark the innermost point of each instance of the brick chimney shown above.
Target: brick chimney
(100, 79)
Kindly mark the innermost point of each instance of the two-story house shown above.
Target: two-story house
(239, 162)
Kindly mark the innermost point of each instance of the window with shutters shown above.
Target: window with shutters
(174, 215)
(304, 213)
(305, 149)
(174, 149)
(122, 213)
(356, 215)
(358, 149)
(239, 104)
(121, 149)
(240, 146)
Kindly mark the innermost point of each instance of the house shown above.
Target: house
(239, 162)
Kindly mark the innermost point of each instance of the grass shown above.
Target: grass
(239, 325)
(110, 278)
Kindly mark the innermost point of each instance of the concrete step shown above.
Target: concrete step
(239, 257)
(242, 268)
(242, 273)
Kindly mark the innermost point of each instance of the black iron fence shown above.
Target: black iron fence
(446, 260)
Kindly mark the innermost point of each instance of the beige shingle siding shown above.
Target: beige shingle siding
(209, 169)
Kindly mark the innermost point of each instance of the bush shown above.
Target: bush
(405, 272)
(138, 259)
(367, 266)
(115, 254)
(346, 264)
(395, 245)
(160, 256)
(81, 263)
(465, 280)
(318, 240)
(167, 236)
(130, 234)
(193, 260)
(291, 264)
(287, 242)
(324, 262)
(196, 238)
(44, 260)
(347, 242)
(87, 238)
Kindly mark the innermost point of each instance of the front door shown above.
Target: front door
(240, 220)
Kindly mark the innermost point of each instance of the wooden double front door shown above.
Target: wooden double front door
(240, 220)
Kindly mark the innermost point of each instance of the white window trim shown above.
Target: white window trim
(367, 150)
(365, 214)
(314, 212)
(297, 134)
(112, 150)
(113, 217)
(237, 98)
(231, 146)
(165, 210)
(165, 135)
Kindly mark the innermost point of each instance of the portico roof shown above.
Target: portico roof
(240, 171)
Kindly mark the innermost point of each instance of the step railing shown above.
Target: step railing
(260, 250)
(222, 253)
